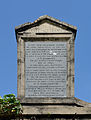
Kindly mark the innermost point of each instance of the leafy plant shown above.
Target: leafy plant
(10, 105)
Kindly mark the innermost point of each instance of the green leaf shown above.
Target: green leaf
(9, 105)
(9, 95)
(0, 97)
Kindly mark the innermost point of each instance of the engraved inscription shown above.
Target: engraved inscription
(45, 69)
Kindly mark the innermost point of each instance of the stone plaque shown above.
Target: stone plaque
(45, 69)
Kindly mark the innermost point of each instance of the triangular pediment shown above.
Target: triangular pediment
(47, 27)
(46, 24)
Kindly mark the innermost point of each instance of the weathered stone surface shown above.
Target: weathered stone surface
(45, 69)
(68, 61)
(43, 31)
(45, 17)
(44, 28)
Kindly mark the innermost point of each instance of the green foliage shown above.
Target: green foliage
(10, 105)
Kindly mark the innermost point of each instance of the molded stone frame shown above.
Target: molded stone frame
(21, 39)
(69, 107)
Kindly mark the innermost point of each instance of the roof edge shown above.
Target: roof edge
(42, 18)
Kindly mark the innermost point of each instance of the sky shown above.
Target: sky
(16, 12)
